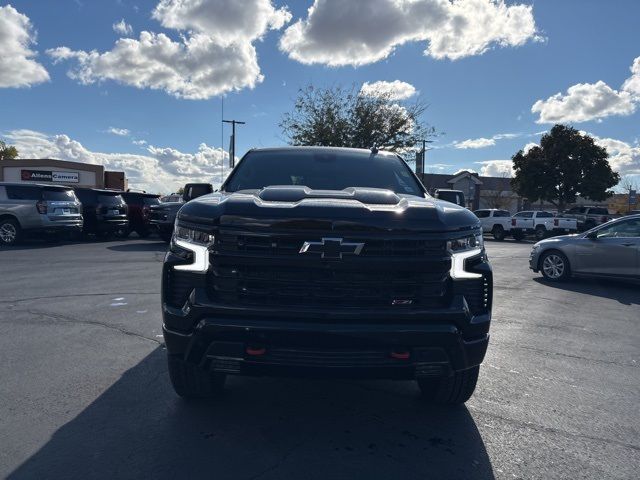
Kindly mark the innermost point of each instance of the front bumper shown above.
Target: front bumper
(277, 348)
(534, 259)
(338, 343)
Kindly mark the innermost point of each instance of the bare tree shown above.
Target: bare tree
(335, 116)
(628, 183)
(501, 196)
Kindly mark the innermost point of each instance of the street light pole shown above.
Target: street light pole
(232, 150)
(420, 160)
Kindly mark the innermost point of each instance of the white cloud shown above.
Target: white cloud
(624, 157)
(529, 146)
(162, 170)
(632, 84)
(17, 66)
(396, 90)
(496, 168)
(122, 27)
(225, 21)
(121, 132)
(139, 142)
(214, 54)
(475, 143)
(584, 102)
(339, 33)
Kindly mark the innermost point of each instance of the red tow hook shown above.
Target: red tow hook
(256, 351)
(400, 355)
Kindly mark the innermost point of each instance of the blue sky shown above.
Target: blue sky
(479, 95)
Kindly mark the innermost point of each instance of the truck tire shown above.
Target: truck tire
(540, 233)
(453, 390)
(518, 236)
(498, 232)
(191, 381)
(554, 266)
(10, 231)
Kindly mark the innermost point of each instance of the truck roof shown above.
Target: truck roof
(347, 150)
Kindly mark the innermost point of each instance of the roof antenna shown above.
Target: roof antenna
(374, 149)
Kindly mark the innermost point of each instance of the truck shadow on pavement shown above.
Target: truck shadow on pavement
(626, 293)
(261, 428)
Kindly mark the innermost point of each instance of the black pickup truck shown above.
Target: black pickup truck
(326, 261)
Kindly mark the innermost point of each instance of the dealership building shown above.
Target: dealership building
(60, 172)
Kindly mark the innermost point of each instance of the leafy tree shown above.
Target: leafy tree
(565, 164)
(7, 152)
(340, 117)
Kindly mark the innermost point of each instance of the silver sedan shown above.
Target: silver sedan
(608, 250)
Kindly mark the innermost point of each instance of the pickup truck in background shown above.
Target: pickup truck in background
(588, 217)
(494, 221)
(540, 224)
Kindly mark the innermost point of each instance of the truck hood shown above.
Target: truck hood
(351, 210)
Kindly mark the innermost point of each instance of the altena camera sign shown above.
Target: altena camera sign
(49, 176)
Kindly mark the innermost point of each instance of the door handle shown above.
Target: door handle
(628, 244)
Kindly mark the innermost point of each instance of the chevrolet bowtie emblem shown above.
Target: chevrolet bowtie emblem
(332, 248)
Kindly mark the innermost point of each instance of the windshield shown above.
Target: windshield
(322, 171)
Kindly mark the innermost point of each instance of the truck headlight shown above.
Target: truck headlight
(198, 243)
(461, 249)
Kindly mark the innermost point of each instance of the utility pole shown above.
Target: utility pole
(232, 150)
(420, 157)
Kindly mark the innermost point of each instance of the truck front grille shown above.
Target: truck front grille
(289, 245)
(262, 270)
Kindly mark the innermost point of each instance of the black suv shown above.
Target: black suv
(104, 211)
(326, 261)
(138, 212)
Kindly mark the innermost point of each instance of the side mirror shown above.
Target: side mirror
(195, 190)
(592, 235)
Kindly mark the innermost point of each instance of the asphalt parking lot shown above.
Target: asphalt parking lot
(84, 391)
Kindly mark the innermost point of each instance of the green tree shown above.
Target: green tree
(340, 117)
(566, 164)
(7, 152)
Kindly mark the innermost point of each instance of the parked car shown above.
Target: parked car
(453, 196)
(138, 208)
(334, 261)
(609, 250)
(104, 211)
(30, 209)
(163, 216)
(540, 224)
(588, 217)
(495, 221)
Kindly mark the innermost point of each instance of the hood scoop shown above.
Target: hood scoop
(293, 194)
